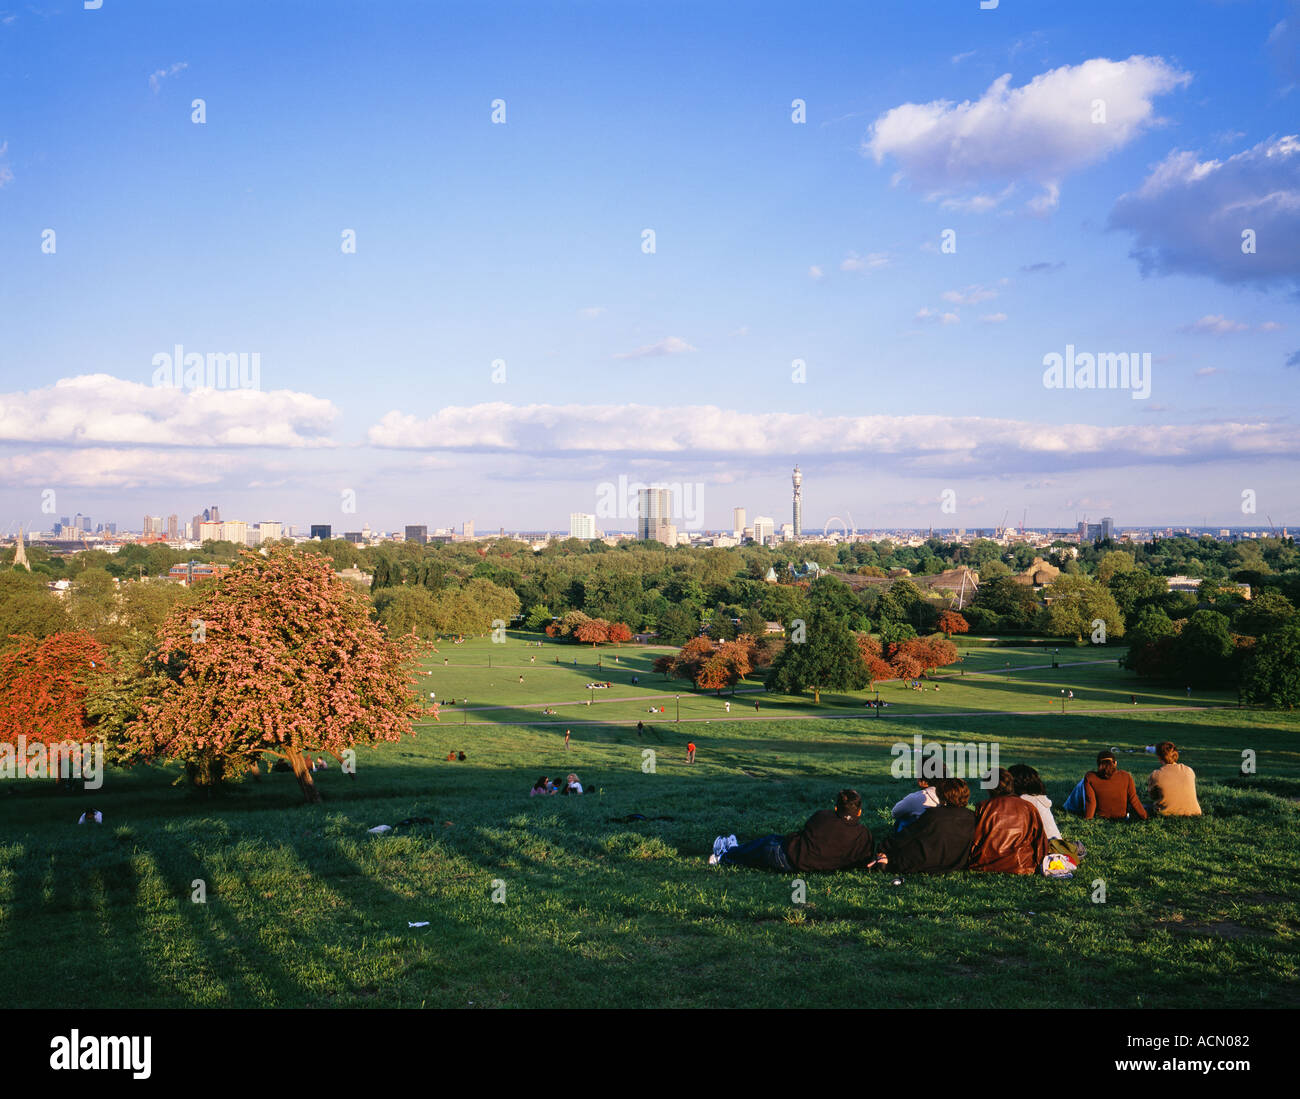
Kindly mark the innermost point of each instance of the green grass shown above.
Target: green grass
(305, 908)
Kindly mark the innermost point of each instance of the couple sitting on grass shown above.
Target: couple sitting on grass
(1111, 794)
(1006, 835)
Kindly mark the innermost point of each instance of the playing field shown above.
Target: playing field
(596, 907)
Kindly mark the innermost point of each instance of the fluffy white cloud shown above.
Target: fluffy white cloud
(670, 346)
(116, 468)
(993, 318)
(869, 262)
(1215, 324)
(156, 78)
(972, 295)
(1194, 217)
(815, 272)
(100, 409)
(912, 443)
(925, 313)
(591, 311)
(1038, 133)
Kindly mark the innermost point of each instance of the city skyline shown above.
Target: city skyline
(903, 254)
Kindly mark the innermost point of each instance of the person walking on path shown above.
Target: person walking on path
(640, 728)
(755, 705)
(566, 740)
(690, 752)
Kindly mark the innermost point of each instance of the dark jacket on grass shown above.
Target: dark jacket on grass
(937, 842)
(828, 842)
(1009, 837)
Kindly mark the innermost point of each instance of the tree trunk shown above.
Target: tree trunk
(817, 696)
(303, 774)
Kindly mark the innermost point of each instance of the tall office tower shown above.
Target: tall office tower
(582, 525)
(195, 523)
(797, 479)
(147, 526)
(467, 529)
(320, 530)
(764, 527)
(79, 521)
(1107, 527)
(738, 520)
(216, 514)
(173, 527)
(269, 532)
(1083, 530)
(418, 534)
(110, 528)
(654, 515)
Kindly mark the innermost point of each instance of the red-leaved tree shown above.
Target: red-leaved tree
(950, 622)
(619, 632)
(593, 631)
(43, 688)
(282, 657)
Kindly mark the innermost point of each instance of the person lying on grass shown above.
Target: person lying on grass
(1009, 836)
(832, 839)
(939, 841)
(1109, 793)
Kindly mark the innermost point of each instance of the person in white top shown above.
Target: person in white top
(1029, 786)
(911, 807)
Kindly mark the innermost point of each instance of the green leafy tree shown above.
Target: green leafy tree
(1075, 603)
(1272, 674)
(827, 659)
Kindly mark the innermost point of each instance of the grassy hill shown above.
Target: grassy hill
(305, 908)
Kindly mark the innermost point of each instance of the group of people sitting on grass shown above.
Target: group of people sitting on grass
(1011, 832)
(544, 787)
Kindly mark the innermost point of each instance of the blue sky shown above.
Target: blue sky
(775, 241)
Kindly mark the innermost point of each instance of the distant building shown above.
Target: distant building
(269, 532)
(796, 479)
(173, 528)
(738, 522)
(1107, 527)
(320, 530)
(467, 530)
(582, 525)
(353, 536)
(190, 571)
(764, 528)
(417, 534)
(654, 516)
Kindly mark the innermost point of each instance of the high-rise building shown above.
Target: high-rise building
(147, 526)
(467, 529)
(654, 515)
(738, 521)
(173, 528)
(110, 528)
(235, 530)
(353, 536)
(796, 478)
(269, 532)
(210, 532)
(1083, 530)
(764, 526)
(216, 513)
(582, 525)
(417, 534)
(320, 530)
(1107, 527)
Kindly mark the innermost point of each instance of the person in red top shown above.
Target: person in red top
(1109, 793)
(690, 753)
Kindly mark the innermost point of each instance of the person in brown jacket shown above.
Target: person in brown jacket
(1009, 836)
(1109, 793)
(1172, 788)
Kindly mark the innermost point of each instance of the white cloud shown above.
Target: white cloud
(815, 272)
(925, 313)
(1189, 216)
(1207, 371)
(993, 318)
(117, 468)
(910, 442)
(1215, 324)
(156, 78)
(591, 311)
(5, 174)
(958, 58)
(1271, 326)
(100, 409)
(670, 346)
(1039, 133)
(972, 295)
(869, 262)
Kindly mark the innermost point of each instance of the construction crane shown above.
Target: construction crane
(1002, 527)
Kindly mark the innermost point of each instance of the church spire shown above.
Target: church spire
(20, 554)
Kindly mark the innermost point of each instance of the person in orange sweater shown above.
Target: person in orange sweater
(1109, 793)
(1172, 788)
(1009, 836)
